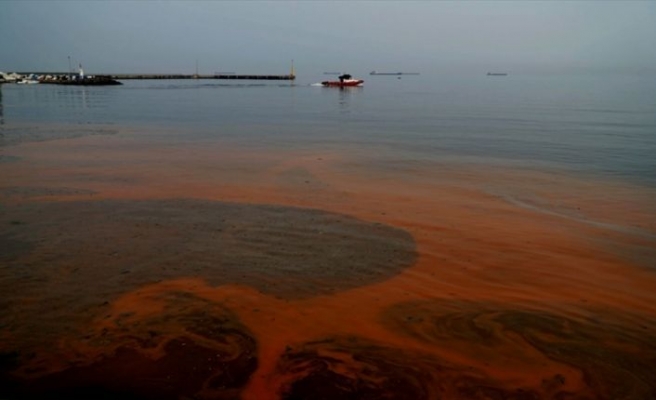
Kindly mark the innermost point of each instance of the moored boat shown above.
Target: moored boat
(27, 81)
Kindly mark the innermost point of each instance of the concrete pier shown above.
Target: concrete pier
(213, 76)
(231, 76)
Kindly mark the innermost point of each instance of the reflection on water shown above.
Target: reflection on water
(51, 104)
(84, 97)
(344, 100)
(2, 114)
(80, 97)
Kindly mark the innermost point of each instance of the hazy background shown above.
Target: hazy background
(263, 37)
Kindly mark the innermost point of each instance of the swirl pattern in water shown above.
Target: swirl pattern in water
(66, 264)
(615, 356)
(187, 347)
(357, 368)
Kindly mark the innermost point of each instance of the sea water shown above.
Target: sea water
(433, 236)
(596, 124)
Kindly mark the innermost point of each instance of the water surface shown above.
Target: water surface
(427, 237)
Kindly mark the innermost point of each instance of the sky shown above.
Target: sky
(359, 36)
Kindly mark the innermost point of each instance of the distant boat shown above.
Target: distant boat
(345, 80)
(497, 74)
(27, 81)
(393, 73)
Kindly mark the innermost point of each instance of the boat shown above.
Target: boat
(343, 83)
(497, 74)
(28, 80)
(345, 80)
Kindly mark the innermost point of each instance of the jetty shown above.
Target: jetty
(98, 80)
(233, 76)
(80, 78)
(105, 79)
(289, 77)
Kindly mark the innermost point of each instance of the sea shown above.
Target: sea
(432, 236)
(603, 125)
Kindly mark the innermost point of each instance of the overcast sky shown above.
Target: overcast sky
(263, 37)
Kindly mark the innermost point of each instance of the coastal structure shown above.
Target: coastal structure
(11, 77)
(81, 77)
(230, 76)
(79, 80)
(68, 78)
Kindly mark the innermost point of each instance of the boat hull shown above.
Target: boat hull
(346, 83)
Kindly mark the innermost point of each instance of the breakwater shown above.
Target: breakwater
(54, 75)
(290, 77)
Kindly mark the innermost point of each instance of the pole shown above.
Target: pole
(69, 67)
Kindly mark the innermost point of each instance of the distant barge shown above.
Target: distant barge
(393, 73)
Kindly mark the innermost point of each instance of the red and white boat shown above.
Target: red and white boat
(344, 81)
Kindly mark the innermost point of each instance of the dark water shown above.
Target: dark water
(604, 125)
